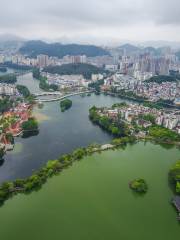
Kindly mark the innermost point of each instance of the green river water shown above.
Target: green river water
(92, 201)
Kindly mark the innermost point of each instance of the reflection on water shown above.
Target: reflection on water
(59, 133)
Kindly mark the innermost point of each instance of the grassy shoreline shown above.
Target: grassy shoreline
(54, 167)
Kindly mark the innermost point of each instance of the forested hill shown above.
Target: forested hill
(34, 48)
(163, 78)
(81, 68)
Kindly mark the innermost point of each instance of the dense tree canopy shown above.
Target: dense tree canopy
(65, 104)
(174, 177)
(80, 68)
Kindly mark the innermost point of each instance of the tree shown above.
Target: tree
(65, 104)
(30, 125)
(23, 90)
(36, 73)
(2, 152)
(178, 187)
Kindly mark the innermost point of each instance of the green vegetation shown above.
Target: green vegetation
(10, 138)
(30, 128)
(65, 104)
(5, 104)
(34, 48)
(132, 96)
(26, 94)
(45, 86)
(115, 127)
(159, 104)
(8, 78)
(2, 152)
(80, 68)
(53, 167)
(163, 78)
(43, 81)
(119, 105)
(97, 85)
(174, 177)
(23, 90)
(139, 185)
(123, 140)
(36, 73)
(163, 134)
(128, 94)
(148, 117)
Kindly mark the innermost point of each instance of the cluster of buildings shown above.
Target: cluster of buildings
(70, 81)
(8, 89)
(150, 90)
(44, 60)
(66, 81)
(11, 122)
(134, 112)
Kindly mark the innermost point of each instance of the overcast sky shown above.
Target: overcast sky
(135, 20)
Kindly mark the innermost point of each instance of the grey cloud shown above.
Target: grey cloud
(81, 15)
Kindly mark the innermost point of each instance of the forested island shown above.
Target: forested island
(139, 185)
(65, 104)
(79, 68)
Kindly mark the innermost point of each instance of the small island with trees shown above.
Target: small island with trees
(139, 185)
(30, 127)
(65, 104)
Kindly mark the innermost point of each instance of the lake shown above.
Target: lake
(92, 200)
(59, 133)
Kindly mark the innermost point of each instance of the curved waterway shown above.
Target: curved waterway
(91, 200)
(59, 133)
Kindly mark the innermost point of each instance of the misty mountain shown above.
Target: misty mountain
(34, 48)
(9, 42)
(128, 48)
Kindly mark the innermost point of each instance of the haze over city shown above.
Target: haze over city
(89, 119)
(95, 21)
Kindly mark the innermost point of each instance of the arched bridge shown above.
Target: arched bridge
(61, 97)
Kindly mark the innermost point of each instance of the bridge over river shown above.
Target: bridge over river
(59, 95)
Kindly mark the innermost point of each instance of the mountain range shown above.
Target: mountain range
(34, 48)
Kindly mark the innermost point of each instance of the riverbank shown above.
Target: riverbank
(142, 100)
(53, 167)
(12, 123)
(93, 199)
